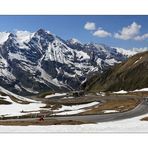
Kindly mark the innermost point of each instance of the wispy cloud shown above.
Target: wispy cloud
(142, 37)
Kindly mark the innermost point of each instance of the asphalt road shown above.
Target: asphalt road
(140, 109)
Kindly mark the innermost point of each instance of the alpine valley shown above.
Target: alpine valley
(32, 63)
(46, 80)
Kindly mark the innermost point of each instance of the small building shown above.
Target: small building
(78, 93)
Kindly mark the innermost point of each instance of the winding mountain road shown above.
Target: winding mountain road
(140, 109)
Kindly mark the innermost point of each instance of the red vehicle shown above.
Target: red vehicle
(41, 118)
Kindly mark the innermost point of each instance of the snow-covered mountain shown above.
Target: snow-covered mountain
(130, 52)
(40, 61)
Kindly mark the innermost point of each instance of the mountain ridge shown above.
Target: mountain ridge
(128, 75)
(41, 61)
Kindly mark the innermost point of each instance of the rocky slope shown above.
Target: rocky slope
(129, 75)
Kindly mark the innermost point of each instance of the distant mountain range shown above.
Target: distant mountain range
(35, 62)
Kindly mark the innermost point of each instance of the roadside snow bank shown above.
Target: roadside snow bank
(74, 109)
(100, 94)
(55, 95)
(120, 92)
(143, 89)
(110, 111)
(124, 92)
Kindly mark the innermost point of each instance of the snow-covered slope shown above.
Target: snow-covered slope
(126, 52)
(15, 105)
(41, 61)
(3, 37)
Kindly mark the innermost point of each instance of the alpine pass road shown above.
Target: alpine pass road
(140, 109)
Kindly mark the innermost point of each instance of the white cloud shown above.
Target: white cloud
(90, 26)
(129, 32)
(101, 33)
(142, 37)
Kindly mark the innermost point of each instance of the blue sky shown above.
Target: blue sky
(121, 31)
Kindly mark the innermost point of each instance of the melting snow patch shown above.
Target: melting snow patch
(73, 112)
(74, 109)
(70, 97)
(55, 95)
(110, 111)
(143, 89)
(100, 94)
(120, 92)
(138, 60)
(16, 109)
(30, 90)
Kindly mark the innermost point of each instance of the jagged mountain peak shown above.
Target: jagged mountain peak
(41, 32)
(11, 35)
(42, 35)
(74, 41)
